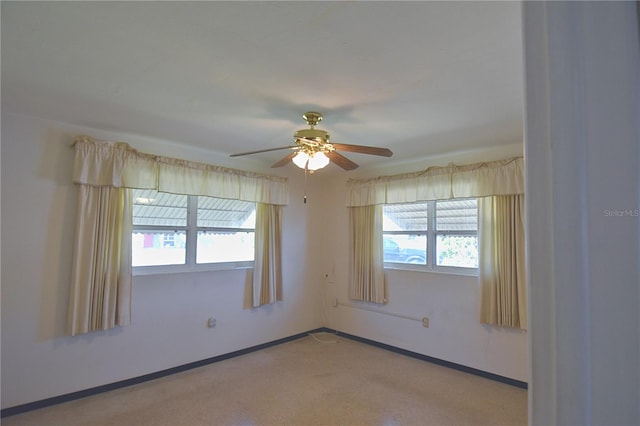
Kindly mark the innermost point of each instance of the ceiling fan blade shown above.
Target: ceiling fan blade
(263, 150)
(285, 160)
(341, 160)
(384, 152)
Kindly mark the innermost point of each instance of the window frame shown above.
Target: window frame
(431, 234)
(191, 229)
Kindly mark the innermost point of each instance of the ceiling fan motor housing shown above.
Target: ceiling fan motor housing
(316, 135)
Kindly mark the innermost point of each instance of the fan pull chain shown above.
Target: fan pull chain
(306, 169)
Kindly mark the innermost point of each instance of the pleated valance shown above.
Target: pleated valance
(501, 177)
(116, 164)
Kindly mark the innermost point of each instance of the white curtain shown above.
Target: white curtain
(267, 270)
(367, 280)
(100, 293)
(500, 177)
(501, 266)
(116, 164)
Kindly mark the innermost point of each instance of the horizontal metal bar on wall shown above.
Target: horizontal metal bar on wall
(378, 311)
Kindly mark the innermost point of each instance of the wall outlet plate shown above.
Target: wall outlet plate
(425, 322)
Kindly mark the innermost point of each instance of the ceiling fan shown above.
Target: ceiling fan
(313, 149)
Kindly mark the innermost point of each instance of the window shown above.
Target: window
(225, 230)
(175, 231)
(405, 228)
(457, 233)
(434, 235)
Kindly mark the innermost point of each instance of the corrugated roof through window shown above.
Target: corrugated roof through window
(412, 217)
(457, 215)
(154, 208)
(222, 213)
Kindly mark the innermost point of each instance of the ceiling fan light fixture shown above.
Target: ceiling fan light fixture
(313, 161)
(318, 161)
(300, 159)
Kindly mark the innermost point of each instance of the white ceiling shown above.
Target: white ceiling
(421, 78)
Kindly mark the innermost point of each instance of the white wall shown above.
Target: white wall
(169, 312)
(450, 301)
(583, 163)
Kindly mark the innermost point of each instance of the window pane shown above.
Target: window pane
(405, 248)
(457, 215)
(221, 213)
(158, 248)
(405, 217)
(457, 250)
(213, 247)
(151, 207)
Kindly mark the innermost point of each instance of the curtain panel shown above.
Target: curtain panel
(502, 177)
(366, 263)
(502, 269)
(116, 164)
(100, 291)
(267, 269)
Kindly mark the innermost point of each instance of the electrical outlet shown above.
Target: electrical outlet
(425, 322)
(211, 322)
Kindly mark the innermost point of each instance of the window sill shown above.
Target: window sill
(449, 270)
(180, 269)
